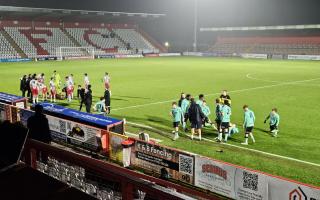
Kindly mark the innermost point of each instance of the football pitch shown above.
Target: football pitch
(143, 90)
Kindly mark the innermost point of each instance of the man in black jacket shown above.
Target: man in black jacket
(23, 85)
(88, 99)
(28, 86)
(107, 101)
(196, 117)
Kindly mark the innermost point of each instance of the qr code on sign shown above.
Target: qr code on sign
(186, 164)
(63, 128)
(250, 181)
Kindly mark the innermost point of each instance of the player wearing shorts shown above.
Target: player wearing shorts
(86, 81)
(53, 91)
(176, 114)
(225, 120)
(206, 111)
(185, 103)
(106, 81)
(274, 121)
(72, 84)
(196, 117)
(69, 89)
(44, 91)
(218, 113)
(248, 124)
(34, 90)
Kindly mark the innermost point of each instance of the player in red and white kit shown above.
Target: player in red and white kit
(86, 80)
(41, 78)
(53, 91)
(106, 81)
(69, 89)
(34, 90)
(72, 82)
(44, 91)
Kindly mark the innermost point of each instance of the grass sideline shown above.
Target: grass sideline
(142, 91)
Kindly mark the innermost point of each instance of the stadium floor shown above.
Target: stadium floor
(143, 90)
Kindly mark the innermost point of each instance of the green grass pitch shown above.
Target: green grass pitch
(143, 89)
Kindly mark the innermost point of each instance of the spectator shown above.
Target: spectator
(38, 126)
(196, 117)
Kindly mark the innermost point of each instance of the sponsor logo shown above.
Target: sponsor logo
(207, 168)
(298, 194)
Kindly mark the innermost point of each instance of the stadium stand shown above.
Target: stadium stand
(300, 45)
(6, 50)
(42, 39)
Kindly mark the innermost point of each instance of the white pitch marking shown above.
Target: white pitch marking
(262, 152)
(233, 91)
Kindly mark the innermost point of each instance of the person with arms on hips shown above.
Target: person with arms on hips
(185, 103)
(53, 90)
(274, 121)
(248, 124)
(86, 81)
(225, 121)
(225, 98)
(196, 117)
(107, 97)
(88, 99)
(176, 114)
(100, 106)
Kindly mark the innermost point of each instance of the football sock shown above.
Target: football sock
(251, 135)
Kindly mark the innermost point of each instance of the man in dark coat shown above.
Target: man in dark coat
(107, 101)
(28, 86)
(196, 117)
(38, 126)
(23, 85)
(88, 99)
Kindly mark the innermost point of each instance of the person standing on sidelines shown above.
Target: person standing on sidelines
(107, 98)
(86, 81)
(196, 117)
(72, 84)
(274, 121)
(88, 99)
(248, 124)
(225, 121)
(176, 114)
(23, 85)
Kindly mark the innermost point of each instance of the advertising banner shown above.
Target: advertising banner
(282, 189)
(250, 185)
(214, 176)
(255, 56)
(5, 112)
(151, 55)
(154, 158)
(303, 57)
(46, 58)
(115, 147)
(74, 133)
(169, 54)
(15, 60)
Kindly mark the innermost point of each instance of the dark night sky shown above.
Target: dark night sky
(211, 12)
